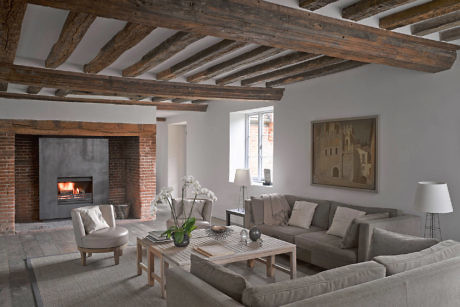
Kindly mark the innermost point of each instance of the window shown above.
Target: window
(259, 144)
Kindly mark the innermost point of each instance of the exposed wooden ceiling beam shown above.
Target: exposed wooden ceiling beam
(419, 13)
(124, 40)
(11, 16)
(288, 59)
(164, 106)
(130, 86)
(33, 89)
(161, 53)
(322, 61)
(207, 55)
(437, 24)
(328, 70)
(450, 35)
(367, 8)
(256, 54)
(270, 24)
(313, 5)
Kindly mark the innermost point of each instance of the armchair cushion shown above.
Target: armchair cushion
(106, 238)
(92, 219)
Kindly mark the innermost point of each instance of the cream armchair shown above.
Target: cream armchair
(202, 221)
(112, 239)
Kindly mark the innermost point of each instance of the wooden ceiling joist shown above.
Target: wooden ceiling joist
(437, 24)
(207, 55)
(270, 24)
(367, 8)
(450, 35)
(256, 54)
(163, 106)
(313, 5)
(328, 70)
(130, 86)
(124, 40)
(419, 13)
(161, 53)
(11, 16)
(279, 62)
(317, 63)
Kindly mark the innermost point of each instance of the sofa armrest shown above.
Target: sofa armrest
(404, 224)
(248, 219)
(185, 288)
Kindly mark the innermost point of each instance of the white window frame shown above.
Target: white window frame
(260, 176)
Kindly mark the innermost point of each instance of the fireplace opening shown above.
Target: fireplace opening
(74, 190)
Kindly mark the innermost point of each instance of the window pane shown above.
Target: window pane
(253, 145)
(267, 142)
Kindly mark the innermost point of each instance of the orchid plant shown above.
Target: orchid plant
(190, 186)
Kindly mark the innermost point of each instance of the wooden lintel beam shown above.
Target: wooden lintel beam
(319, 62)
(164, 106)
(161, 53)
(450, 35)
(202, 57)
(281, 61)
(130, 86)
(256, 54)
(419, 13)
(313, 5)
(437, 24)
(367, 8)
(11, 16)
(124, 40)
(347, 65)
(269, 24)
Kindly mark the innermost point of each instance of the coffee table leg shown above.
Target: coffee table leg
(139, 257)
(270, 269)
(151, 267)
(251, 263)
(293, 262)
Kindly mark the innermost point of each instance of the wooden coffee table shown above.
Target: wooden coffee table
(168, 254)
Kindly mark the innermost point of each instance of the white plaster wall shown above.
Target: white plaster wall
(418, 137)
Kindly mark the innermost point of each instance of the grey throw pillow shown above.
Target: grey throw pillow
(285, 292)
(350, 240)
(386, 242)
(436, 253)
(221, 278)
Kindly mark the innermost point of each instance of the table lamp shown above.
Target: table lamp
(433, 198)
(243, 179)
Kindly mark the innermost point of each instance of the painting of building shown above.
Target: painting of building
(344, 153)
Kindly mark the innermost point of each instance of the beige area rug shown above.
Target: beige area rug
(62, 281)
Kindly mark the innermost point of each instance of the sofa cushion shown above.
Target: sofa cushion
(106, 238)
(342, 220)
(285, 292)
(436, 253)
(285, 233)
(321, 216)
(257, 208)
(302, 214)
(386, 242)
(221, 278)
(350, 240)
(320, 240)
(368, 210)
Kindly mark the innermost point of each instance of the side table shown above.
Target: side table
(230, 212)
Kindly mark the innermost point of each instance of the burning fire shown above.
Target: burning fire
(68, 187)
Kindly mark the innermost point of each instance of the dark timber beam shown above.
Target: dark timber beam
(313, 5)
(124, 40)
(289, 59)
(256, 54)
(161, 53)
(437, 24)
(11, 16)
(450, 35)
(324, 71)
(270, 24)
(367, 8)
(322, 61)
(130, 86)
(419, 13)
(163, 106)
(198, 59)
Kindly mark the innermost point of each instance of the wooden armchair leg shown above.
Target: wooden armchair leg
(116, 254)
(83, 258)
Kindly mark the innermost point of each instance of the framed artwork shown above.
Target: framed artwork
(344, 153)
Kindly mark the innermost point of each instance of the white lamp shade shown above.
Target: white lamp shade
(242, 177)
(433, 197)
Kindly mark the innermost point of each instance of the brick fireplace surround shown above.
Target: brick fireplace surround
(132, 159)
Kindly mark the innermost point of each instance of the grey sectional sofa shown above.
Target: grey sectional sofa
(316, 247)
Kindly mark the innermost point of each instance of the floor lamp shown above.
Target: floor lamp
(433, 198)
(243, 179)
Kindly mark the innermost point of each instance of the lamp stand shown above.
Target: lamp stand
(432, 226)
